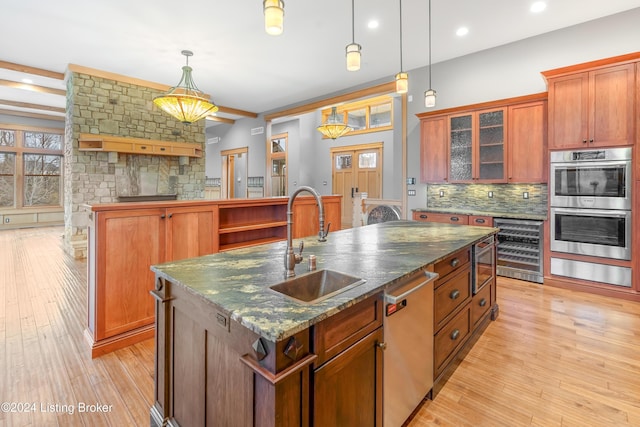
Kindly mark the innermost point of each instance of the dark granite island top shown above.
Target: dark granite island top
(238, 281)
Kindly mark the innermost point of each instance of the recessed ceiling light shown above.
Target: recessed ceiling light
(538, 7)
(462, 31)
(373, 24)
(27, 81)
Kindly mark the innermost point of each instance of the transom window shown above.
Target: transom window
(30, 167)
(370, 115)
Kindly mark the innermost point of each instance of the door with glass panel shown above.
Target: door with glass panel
(356, 170)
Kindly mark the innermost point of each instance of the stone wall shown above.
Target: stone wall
(506, 197)
(100, 105)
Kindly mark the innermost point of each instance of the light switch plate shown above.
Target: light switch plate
(411, 192)
(525, 195)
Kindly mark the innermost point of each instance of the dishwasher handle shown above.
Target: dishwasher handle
(395, 299)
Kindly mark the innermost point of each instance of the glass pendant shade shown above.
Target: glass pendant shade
(353, 56)
(430, 98)
(402, 82)
(273, 16)
(185, 101)
(334, 128)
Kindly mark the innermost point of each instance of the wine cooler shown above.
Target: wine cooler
(520, 249)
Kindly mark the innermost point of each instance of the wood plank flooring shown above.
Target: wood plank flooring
(553, 358)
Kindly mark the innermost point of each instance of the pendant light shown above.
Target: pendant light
(334, 128)
(430, 94)
(402, 78)
(353, 49)
(273, 16)
(185, 101)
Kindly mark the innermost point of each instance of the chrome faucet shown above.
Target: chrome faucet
(290, 258)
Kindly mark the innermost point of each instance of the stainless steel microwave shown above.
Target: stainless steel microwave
(591, 179)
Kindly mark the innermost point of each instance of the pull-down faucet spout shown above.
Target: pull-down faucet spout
(290, 258)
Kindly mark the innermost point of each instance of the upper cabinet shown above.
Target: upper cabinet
(493, 142)
(591, 105)
(477, 146)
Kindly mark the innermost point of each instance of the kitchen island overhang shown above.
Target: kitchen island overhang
(228, 345)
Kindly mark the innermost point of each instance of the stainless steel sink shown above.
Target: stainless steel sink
(316, 286)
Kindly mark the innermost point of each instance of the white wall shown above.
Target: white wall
(506, 71)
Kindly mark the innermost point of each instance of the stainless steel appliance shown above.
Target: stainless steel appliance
(591, 179)
(595, 272)
(595, 232)
(408, 356)
(484, 263)
(520, 249)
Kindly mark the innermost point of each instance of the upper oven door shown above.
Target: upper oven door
(599, 185)
(592, 232)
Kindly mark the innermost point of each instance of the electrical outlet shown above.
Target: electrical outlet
(411, 192)
(441, 193)
(525, 195)
(490, 194)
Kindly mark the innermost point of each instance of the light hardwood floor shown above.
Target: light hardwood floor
(553, 358)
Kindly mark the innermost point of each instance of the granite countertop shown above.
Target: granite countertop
(238, 281)
(514, 215)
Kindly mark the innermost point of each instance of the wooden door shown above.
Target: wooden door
(611, 106)
(136, 240)
(356, 171)
(191, 232)
(489, 145)
(568, 111)
(434, 150)
(527, 146)
(461, 148)
(348, 389)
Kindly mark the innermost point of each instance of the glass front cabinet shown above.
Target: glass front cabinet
(477, 146)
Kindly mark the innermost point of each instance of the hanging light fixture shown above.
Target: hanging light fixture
(273, 16)
(334, 128)
(402, 78)
(185, 101)
(430, 94)
(353, 49)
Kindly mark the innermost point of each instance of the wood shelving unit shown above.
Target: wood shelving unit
(109, 143)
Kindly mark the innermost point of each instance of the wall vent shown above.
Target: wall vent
(213, 140)
(257, 131)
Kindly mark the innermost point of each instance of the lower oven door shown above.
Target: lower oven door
(601, 233)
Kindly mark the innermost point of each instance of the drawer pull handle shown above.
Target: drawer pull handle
(482, 302)
(455, 219)
(162, 148)
(454, 294)
(455, 262)
(144, 147)
(480, 221)
(423, 216)
(455, 334)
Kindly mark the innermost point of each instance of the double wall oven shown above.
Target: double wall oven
(590, 198)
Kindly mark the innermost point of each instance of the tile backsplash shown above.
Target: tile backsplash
(505, 197)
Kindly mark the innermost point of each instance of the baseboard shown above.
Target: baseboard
(101, 347)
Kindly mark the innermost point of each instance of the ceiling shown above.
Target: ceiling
(236, 62)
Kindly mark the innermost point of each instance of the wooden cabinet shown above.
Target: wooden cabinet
(117, 144)
(191, 231)
(591, 106)
(349, 364)
(481, 220)
(527, 153)
(434, 150)
(497, 141)
(477, 146)
(445, 218)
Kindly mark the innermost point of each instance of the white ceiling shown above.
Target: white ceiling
(241, 66)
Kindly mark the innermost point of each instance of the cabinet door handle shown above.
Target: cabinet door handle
(455, 334)
(482, 302)
(591, 140)
(480, 220)
(584, 141)
(455, 262)
(162, 216)
(423, 216)
(455, 219)
(382, 345)
(170, 215)
(454, 294)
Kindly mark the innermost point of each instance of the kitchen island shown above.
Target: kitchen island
(231, 351)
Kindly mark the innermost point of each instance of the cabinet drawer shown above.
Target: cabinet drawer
(482, 221)
(451, 337)
(481, 303)
(451, 295)
(453, 262)
(335, 334)
(441, 217)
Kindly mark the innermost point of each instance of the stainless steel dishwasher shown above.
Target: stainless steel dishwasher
(408, 356)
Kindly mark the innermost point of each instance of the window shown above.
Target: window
(30, 167)
(277, 159)
(370, 115)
